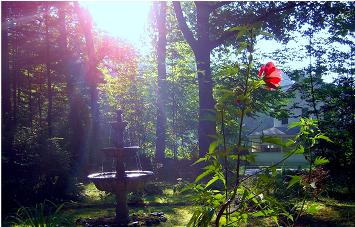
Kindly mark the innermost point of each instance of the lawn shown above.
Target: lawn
(178, 209)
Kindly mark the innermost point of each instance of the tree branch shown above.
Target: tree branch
(183, 25)
(220, 4)
(228, 34)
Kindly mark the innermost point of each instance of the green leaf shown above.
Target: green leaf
(237, 28)
(214, 179)
(273, 140)
(312, 209)
(200, 160)
(213, 146)
(194, 217)
(264, 178)
(266, 34)
(320, 161)
(295, 124)
(290, 142)
(323, 137)
(273, 170)
(203, 175)
(219, 196)
(259, 213)
(263, 213)
(275, 218)
(294, 180)
(248, 158)
(299, 150)
(243, 46)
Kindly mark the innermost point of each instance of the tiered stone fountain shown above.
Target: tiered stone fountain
(120, 182)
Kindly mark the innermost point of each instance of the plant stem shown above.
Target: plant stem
(225, 160)
(311, 80)
(239, 141)
(309, 180)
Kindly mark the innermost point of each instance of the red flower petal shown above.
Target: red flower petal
(272, 76)
(262, 69)
(269, 68)
(274, 79)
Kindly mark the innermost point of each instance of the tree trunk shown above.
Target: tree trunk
(70, 71)
(30, 103)
(207, 121)
(173, 123)
(7, 135)
(92, 81)
(14, 85)
(39, 104)
(49, 77)
(161, 96)
(5, 91)
(202, 47)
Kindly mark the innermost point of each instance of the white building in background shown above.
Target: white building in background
(267, 154)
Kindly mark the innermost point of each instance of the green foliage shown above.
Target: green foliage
(42, 214)
(320, 161)
(294, 180)
(258, 199)
(40, 165)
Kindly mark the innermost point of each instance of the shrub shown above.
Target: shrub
(40, 166)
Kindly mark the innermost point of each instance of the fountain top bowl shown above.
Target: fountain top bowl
(107, 181)
(129, 174)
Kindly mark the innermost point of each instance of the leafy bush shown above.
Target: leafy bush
(40, 165)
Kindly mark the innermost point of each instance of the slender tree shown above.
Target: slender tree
(92, 80)
(7, 136)
(48, 72)
(161, 92)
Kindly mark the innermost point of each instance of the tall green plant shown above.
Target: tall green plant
(223, 192)
(46, 214)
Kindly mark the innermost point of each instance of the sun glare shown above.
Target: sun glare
(124, 19)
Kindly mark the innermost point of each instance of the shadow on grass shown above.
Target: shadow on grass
(176, 207)
(177, 216)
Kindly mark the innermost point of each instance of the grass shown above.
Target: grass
(268, 158)
(333, 212)
(96, 204)
(178, 209)
(91, 195)
(329, 212)
(177, 216)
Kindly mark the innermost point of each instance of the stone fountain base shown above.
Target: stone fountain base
(151, 219)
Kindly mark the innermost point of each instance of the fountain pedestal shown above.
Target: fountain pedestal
(120, 182)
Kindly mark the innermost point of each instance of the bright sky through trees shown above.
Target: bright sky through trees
(124, 19)
(128, 20)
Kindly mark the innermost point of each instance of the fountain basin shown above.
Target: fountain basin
(107, 181)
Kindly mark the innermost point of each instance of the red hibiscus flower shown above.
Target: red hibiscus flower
(272, 75)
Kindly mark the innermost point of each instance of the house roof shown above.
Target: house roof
(277, 131)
